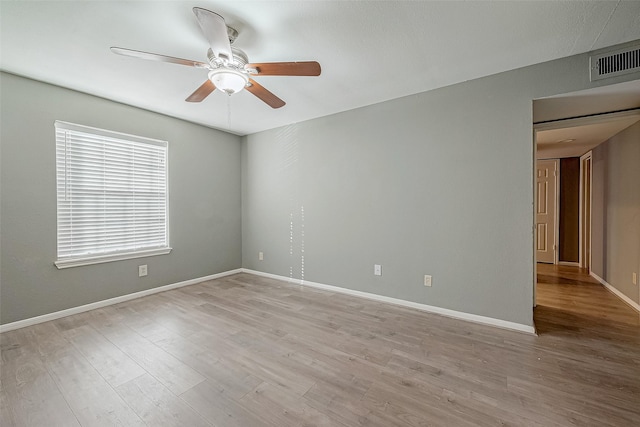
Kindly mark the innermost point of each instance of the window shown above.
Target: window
(112, 196)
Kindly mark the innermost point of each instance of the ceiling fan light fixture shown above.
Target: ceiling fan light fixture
(229, 67)
(228, 80)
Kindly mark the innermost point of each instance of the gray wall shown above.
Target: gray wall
(204, 186)
(436, 183)
(616, 211)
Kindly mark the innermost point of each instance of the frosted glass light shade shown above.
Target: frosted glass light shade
(228, 80)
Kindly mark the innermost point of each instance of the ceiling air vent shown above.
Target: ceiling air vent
(616, 63)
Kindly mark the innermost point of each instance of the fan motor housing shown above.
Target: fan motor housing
(240, 59)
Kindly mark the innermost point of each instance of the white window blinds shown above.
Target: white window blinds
(112, 195)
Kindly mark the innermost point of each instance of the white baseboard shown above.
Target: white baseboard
(569, 263)
(423, 307)
(616, 292)
(99, 304)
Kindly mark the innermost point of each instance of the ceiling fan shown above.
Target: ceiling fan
(229, 68)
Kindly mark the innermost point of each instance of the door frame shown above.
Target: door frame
(534, 206)
(586, 207)
(556, 216)
(534, 209)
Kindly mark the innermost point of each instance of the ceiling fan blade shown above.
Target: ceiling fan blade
(306, 68)
(215, 30)
(269, 98)
(156, 57)
(202, 92)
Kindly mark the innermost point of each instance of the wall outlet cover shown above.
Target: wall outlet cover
(377, 270)
(142, 270)
(427, 280)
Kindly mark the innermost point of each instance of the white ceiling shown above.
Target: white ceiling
(576, 137)
(370, 51)
(587, 117)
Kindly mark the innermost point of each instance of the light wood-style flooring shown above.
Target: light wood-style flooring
(568, 295)
(247, 351)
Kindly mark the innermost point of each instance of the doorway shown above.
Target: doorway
(567, 127)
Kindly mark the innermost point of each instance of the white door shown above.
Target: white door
(546, 192)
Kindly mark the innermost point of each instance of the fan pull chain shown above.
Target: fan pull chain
(229, 112)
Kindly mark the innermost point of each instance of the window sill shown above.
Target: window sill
(78, 262)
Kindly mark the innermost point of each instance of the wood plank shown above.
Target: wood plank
(213, 405)
(156, 405)
(114, 365)
(280, 408)
(29, 396)
(90, 397)
(225, 373)
(170, 371)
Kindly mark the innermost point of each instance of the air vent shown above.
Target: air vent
(616, 63)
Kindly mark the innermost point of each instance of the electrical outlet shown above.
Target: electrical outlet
(427, 280)
(377, 269)
(142, 270)
(634, 278)
(260, 256)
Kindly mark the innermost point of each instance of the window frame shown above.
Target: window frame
(76, 261)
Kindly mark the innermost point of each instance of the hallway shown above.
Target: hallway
(568, 299)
